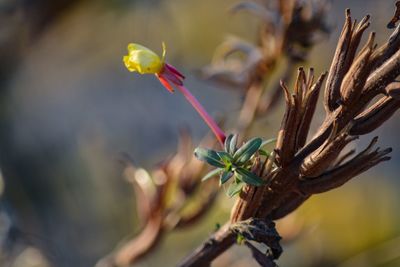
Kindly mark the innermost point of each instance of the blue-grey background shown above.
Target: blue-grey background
(69, 107)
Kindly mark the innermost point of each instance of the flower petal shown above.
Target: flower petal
(164, 52)
(128, 64)
(134, 47)
(142, 60)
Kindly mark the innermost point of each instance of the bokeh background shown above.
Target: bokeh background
(69, 108)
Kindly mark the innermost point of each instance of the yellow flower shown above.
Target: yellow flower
(143, 60)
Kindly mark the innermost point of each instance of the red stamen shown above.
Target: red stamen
(174, 70)
(165, 83)
(171, 75)
(203, 113)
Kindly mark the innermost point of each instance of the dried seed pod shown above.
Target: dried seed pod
(383, 76)
(309, 106)
(337, 70)
(385, 51)
(395, 18)
(393, 90)
(357, 33)
(354, 81)
(375, 116)
(285, 144)
(340, 175)
(321, 159)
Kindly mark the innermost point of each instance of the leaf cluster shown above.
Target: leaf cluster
(234, 162)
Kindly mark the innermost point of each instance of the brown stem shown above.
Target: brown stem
(142, 244)
(218, 243)
(249, 108)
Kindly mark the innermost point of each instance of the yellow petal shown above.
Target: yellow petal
(143, 60)
(164, 51)
(134, 46)
(128, 64)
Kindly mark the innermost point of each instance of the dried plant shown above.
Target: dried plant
(305, 169)
(162, 198)
(287, 32)
(360, 94)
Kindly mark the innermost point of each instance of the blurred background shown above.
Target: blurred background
(69, 108)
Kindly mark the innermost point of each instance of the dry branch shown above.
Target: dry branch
(297, 169)
(304, 169)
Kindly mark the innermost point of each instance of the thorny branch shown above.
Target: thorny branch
(298, 168)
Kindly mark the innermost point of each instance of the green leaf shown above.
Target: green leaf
(209, 156)
(245, 152)
(264, 152)
(232, 145)
(249, 177)
(225, 176)
(234, 188)
(228, 142)
(240, 239)
(225, 157)
(268, 141)
(211, 174)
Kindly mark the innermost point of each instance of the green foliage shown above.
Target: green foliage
(240, 239)
(244, 153)
(248, 177)
(234, 162)
(209, 156)
(234, 188)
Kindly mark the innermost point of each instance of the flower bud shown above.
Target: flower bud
(143, 60)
